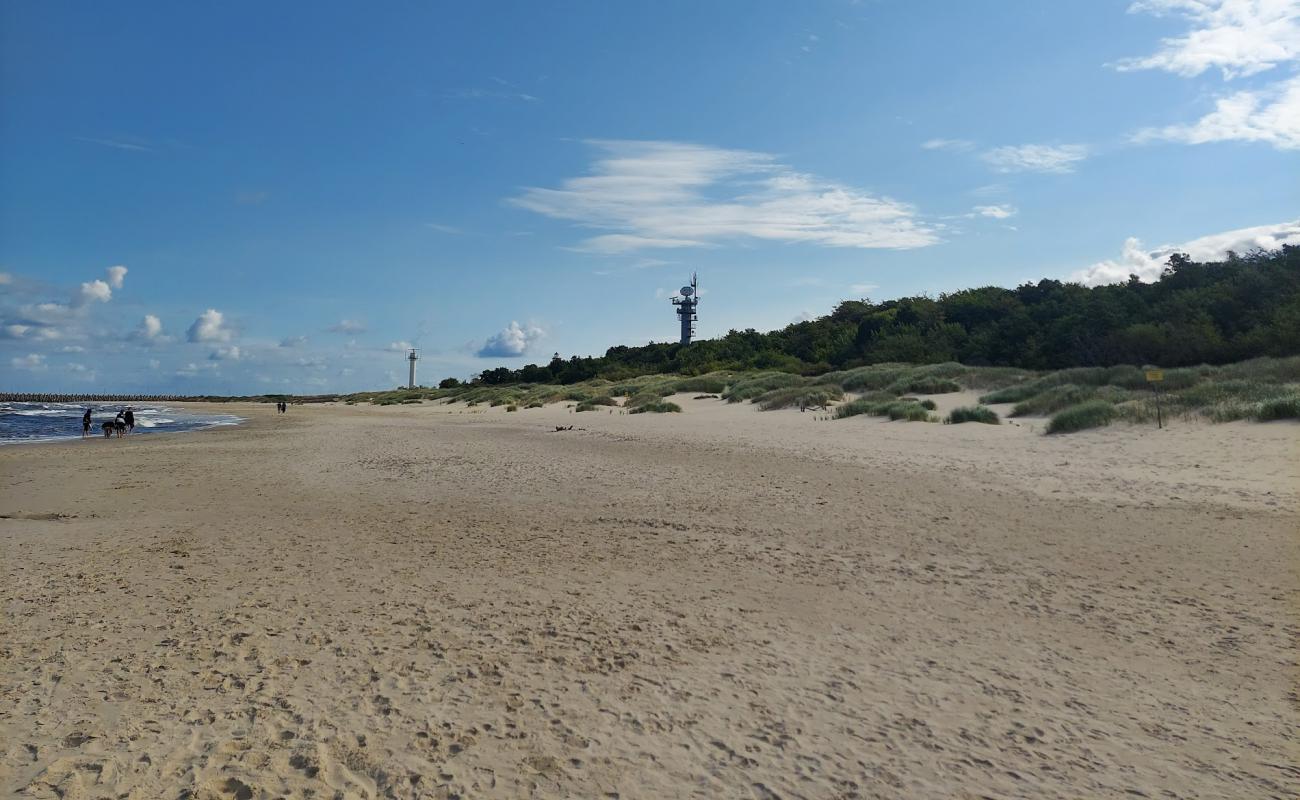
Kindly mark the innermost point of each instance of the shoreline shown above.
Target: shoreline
(421, 600)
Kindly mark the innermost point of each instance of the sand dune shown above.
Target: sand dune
(434, 601)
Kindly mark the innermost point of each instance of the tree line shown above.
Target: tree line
(1197, 312)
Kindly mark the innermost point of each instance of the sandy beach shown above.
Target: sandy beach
(434, 601)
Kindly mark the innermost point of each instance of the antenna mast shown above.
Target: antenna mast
(412, 357)
(686, 304)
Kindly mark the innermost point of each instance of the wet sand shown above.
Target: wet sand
(434, 601)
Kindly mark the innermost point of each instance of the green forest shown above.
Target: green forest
(1243, 307)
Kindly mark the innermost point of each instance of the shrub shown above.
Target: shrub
(448, 383)
(661, 407)
(512, 407)
(1092, 414)
(973, 414)
(535, 404)
(928, 405)
(705, 397)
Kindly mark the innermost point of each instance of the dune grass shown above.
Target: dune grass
(1090, 414)
(660, 407)
(1262, 389)
(973, 414)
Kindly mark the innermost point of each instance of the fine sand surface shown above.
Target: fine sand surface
(434, 601)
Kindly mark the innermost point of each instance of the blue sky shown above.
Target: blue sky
(297, 192)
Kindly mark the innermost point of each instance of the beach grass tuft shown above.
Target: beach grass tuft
(659, 407)
(1091, 414)
(973, 414)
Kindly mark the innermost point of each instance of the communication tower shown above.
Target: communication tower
(686, 305)
(412, 357)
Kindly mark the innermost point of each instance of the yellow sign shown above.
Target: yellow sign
(1155, 375)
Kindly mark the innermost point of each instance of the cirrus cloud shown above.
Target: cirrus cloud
(1036, 157)
(663, 194)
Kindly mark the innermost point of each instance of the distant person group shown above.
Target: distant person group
(122, 424)
(282, 407)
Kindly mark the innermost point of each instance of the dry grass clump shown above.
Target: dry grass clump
(802, 396)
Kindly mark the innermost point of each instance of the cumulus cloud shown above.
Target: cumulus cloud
(1036, 157)
(1270, 115)
(654, 194)
(210, 327)
(511, 342)
(115, 276)
(1239, 37)
(32, 362)
(400, 347)
(93, 291)
(348, 326)
(149, 330)
(1148, 264)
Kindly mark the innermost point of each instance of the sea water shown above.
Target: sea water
(51, 422)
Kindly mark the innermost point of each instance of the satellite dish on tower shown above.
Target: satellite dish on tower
(687, 291)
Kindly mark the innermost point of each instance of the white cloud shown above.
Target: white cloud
(149, 330)
(293, 341)
(154, 363)
(400, 347)
(115, 276)
(1148, 264)
(511, 342)
(1270, 115)
(1240, 37)
(995, 212)
(72, 348)
(32, 362)
(960, 145)
(1036, 157)
(209, 327)
(16, 330)
(92, 291)
(672, 194)
(434, 226)
(862, 289)
(348, 326)
(232, 353)
(6, 279)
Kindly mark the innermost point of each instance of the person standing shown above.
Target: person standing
(130, 420)
(85, 424)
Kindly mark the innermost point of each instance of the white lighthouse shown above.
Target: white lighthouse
(412, 357)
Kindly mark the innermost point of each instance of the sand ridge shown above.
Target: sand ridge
(434, 601)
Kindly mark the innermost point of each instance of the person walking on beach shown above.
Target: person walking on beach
(130, 420)
(119, 424)
(85, 424)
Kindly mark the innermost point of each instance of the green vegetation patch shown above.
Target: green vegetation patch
(1092, 414)
(661, 407)
(973, 414)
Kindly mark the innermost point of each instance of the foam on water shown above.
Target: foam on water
(26, 423)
